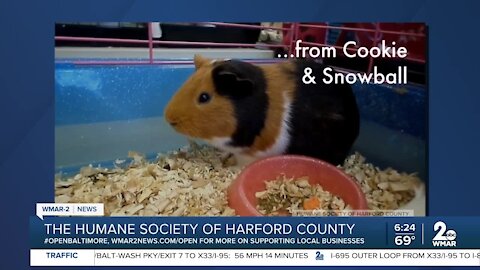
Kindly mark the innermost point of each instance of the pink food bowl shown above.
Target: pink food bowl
(241, 194)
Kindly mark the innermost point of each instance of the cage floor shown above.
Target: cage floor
(193, 182)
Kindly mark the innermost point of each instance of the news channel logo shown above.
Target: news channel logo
(444, 237)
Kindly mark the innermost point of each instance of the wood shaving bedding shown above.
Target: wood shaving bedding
(385, 189)
(193, 182)
(188, 182)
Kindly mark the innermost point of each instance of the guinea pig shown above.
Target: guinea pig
(256, 111)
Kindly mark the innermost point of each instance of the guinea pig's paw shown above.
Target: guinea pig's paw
(228, 160)
(243, 160)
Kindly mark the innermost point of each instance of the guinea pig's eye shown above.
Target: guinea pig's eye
(204, 98)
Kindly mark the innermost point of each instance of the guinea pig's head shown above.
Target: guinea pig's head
(204, 106)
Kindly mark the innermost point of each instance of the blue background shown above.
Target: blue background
(27, 83)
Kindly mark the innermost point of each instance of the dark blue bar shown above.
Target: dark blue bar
(294, 232)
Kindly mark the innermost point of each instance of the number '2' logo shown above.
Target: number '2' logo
(442, 234)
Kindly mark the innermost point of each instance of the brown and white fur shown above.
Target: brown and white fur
(258, 111)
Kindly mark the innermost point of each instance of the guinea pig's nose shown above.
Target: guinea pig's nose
(170, 119)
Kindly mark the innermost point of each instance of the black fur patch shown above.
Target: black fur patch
(324, 117)
(245, 85)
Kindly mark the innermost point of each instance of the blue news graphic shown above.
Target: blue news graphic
(244, 233)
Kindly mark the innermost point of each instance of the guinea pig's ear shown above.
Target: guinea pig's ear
(199, 61)
(230, 84)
